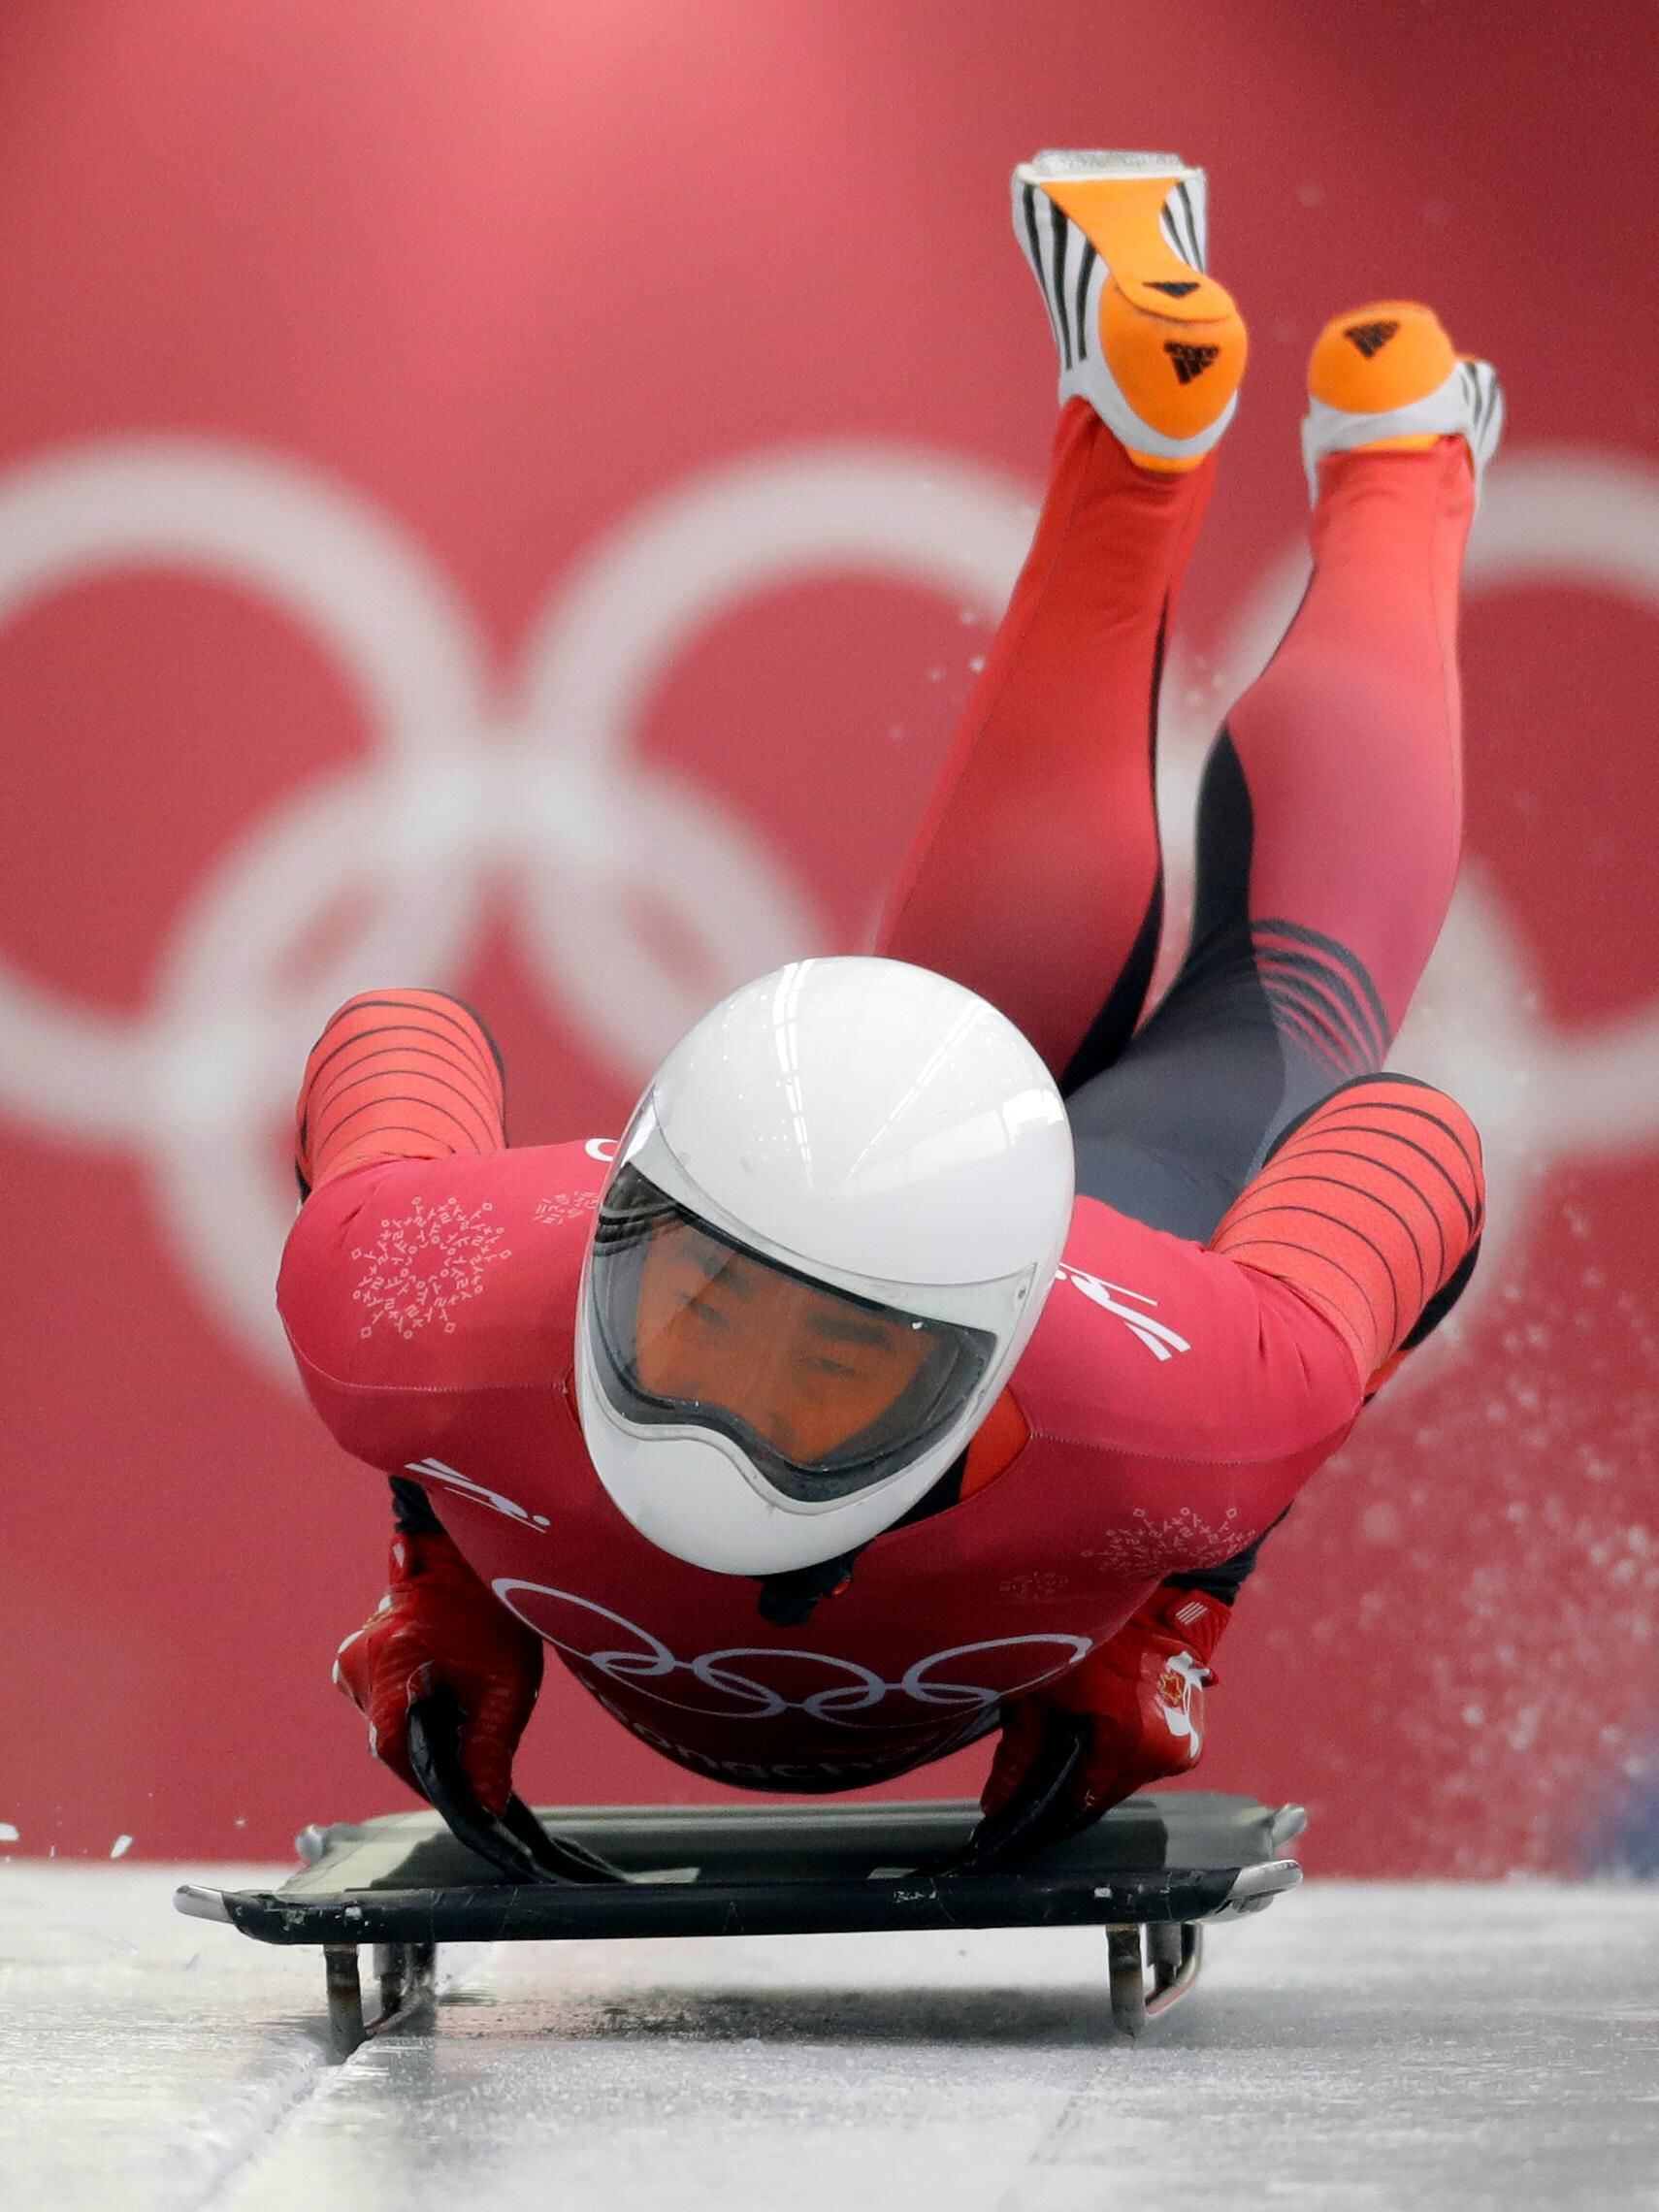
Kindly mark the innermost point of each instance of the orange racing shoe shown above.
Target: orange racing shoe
(1116, 242)
(1385, 379)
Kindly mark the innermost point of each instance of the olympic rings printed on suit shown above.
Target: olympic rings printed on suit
(470, 781)
(737, 1695)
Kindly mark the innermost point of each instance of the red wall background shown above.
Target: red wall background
(352, 352)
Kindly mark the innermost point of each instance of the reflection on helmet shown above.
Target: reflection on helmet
(823, 1392)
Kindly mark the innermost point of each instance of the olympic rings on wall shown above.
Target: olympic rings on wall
(537, 785)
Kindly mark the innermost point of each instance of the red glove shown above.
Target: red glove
(1143, 1696)
(438, 1625)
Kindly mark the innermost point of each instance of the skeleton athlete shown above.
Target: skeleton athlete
(933, 1350)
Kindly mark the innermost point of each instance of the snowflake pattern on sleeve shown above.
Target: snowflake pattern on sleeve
(426, 1262)
(1182, 1542)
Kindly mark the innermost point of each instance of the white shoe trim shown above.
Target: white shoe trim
(1469, 404)
(1074, 320)
(1093, 161)
(1185, 221)
(1092, 379)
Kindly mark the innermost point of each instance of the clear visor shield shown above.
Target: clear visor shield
(824, 1393)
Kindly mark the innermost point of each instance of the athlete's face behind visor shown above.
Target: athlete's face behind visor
(824, 1393)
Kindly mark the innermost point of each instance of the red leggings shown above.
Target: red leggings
(1329, 819)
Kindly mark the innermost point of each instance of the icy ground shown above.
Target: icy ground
(1353, 2049)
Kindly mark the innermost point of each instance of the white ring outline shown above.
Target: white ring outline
(199, 1086)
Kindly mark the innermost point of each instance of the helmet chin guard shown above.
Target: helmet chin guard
(828, 1234)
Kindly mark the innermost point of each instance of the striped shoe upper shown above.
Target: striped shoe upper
(1385, 377)
(1117, 243)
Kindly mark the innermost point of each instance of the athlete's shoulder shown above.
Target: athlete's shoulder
(442, 1274)
(1151, 1345)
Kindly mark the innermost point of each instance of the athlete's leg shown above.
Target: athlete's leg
(1036, 879)
(1330, 831)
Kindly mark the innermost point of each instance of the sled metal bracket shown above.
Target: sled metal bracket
(1150, 1967)
(1254, 1888)
(407, 1975)
(199, 1903)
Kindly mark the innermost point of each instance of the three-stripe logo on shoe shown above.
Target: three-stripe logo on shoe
(1067, 276)
(1061, 300)
(1181, 226)
(1190, 361)
(1370, 338)
(1486, 403)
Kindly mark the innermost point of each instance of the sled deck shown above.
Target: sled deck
(1150, 1874)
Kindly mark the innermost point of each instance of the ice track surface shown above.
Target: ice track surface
(1357, 2048)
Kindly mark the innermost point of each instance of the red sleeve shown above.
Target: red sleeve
(422, 1297)
(1367, 1211)
(397, 1075)
(1152, 1348)
(1178, 1400)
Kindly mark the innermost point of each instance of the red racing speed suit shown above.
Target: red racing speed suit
(1170, 1404)
(1264, 1222)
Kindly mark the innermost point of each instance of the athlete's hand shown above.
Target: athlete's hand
(437, 1626)
(1143, 1696)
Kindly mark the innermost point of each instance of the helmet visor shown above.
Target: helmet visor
(822, 1392)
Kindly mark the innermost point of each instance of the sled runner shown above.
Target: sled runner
(1150, 1874)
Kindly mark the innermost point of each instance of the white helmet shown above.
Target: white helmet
(828, 1234)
